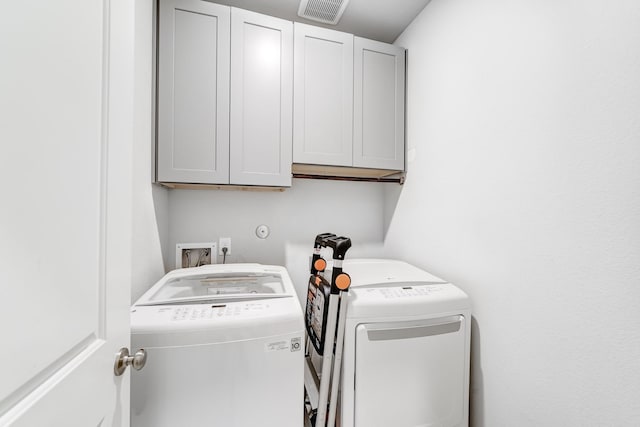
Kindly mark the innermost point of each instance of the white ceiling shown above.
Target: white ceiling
(381, 20)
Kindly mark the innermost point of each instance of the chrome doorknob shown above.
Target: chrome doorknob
(137, 361)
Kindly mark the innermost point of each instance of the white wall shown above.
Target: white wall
(150, 220)
(296, 215)
(524, 189)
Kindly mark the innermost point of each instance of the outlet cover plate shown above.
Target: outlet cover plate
(225, 242)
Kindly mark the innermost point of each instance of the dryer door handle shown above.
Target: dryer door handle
(444, 326)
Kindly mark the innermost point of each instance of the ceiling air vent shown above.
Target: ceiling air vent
(327, 11)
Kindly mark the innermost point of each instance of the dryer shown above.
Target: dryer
(406, 348)
(224, 345)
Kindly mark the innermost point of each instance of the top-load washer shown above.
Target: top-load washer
(224, 345)
(406, 348)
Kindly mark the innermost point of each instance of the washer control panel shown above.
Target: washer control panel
(185, 313)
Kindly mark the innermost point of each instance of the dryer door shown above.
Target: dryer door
(411, 373)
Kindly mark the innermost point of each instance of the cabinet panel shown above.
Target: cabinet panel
(323, 97)
(379, 71)
(193, 92)
(262, 99)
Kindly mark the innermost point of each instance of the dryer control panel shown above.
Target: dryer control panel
(405, 291)
(409, 298)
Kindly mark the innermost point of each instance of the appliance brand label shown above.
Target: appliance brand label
(294, 345)
(276, 346)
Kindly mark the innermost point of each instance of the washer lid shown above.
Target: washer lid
(206, 284)
(385, 273)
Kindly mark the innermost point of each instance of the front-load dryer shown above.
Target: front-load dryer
(406, 348)
(224, 348)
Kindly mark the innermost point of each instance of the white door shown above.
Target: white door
(378, 105)
(423, 382)
(193, 92)
(261, 99)
(66, 94)
(323, 96)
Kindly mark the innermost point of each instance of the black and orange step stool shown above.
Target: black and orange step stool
(325, 317)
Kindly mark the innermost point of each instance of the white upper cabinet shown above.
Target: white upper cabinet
(225, 96)
(261, 99)
(323, 96)
(348, 101)
(193, 92)
(378, 130)
(242, 96)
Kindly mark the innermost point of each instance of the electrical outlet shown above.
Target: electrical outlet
(225, 242)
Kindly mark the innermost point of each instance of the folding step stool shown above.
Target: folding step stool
(325, 318)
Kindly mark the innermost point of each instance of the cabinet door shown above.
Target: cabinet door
(323, 96)
(378, 135)
(193, 92)
(262, 99)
